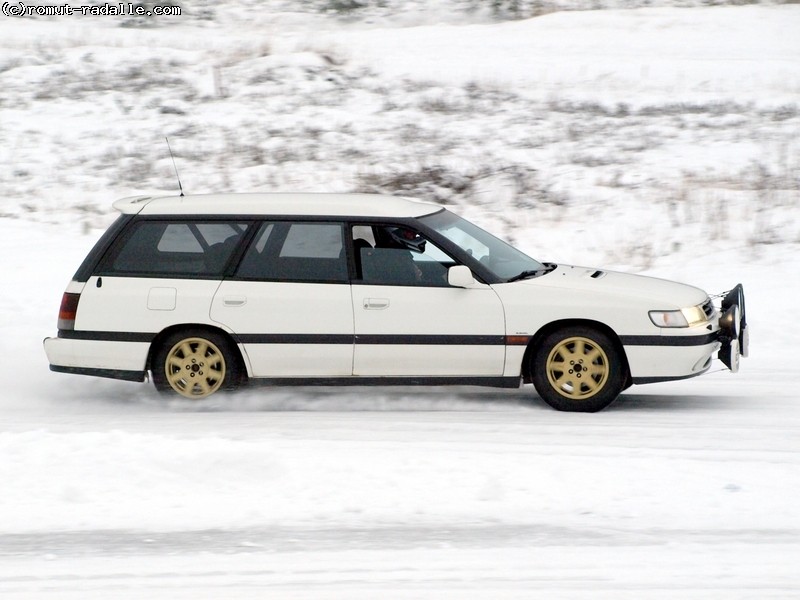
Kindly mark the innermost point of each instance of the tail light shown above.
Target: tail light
(68, 310)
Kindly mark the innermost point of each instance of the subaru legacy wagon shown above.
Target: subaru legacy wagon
(210, 292)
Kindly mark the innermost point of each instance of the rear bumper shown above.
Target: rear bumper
(116, 360)
(107, 373)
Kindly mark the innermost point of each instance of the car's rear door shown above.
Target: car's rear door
(289, 302)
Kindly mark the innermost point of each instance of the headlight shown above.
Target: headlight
(685, 317)
(694, 315)
(668, 318)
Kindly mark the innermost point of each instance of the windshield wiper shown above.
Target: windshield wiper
(532, 273)
(524, 275)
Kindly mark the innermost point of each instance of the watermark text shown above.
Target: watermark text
(108, 9)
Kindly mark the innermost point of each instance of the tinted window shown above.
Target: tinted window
(390, 255)
(179, 238)
(311, 252)
(175, 248)
(313, 240)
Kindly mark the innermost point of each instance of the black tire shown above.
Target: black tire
(578, 369)
(195, 363)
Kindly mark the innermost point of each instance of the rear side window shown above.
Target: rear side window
(177, 248)
(309, 252)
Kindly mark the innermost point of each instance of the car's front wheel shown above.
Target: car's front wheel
(578, 369)
(195, 364)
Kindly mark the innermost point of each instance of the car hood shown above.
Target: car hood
(663, 294)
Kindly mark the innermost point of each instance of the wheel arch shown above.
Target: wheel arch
(168, 331)
(549, 328)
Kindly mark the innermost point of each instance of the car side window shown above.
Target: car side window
(296, 251)
(168, 249)
(392, 255)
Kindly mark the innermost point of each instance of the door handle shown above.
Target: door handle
(234, 301)
(376, 303)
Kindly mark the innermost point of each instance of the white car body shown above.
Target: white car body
(480, 329)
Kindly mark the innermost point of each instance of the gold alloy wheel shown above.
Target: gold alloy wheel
(577, 368)
(195, 368)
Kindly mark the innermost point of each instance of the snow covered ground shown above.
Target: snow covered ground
(686, 489)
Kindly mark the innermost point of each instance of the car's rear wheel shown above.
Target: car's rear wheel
(578, 369)
(195, 364)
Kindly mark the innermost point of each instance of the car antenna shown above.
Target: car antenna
(180, 187)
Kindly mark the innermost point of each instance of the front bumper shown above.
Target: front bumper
(653, 359)
(683, 353)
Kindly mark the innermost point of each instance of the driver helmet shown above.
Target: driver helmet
(405, 238)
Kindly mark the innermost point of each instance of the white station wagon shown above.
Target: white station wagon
(209, 292)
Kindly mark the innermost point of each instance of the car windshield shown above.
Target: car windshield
(505, 261)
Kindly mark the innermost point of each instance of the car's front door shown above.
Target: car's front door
(409, 321)
(289, 302)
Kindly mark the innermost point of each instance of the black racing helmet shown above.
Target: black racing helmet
(406, 238)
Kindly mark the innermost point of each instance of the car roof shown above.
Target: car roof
(294, 204)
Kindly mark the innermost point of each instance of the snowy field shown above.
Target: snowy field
(660, 140)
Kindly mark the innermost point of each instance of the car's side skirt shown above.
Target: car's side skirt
(139, 376)
(496, 382)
